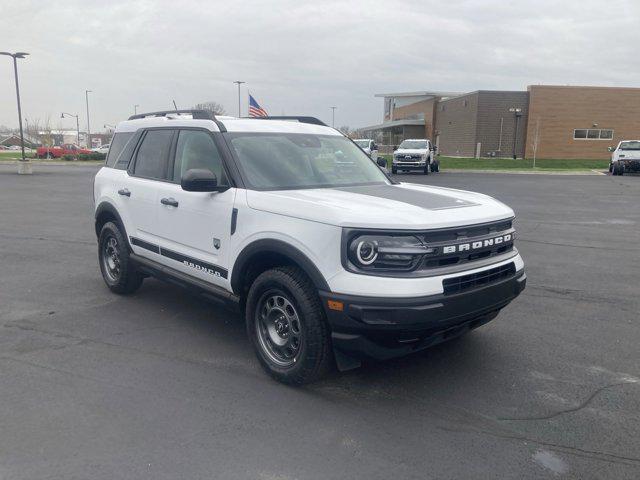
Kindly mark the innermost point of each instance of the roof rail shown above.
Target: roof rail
(196, 114)
(311, 120)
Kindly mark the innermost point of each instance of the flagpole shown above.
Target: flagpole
(238, 82)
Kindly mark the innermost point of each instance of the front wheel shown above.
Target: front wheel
(113, 255)
(394, 170)
(286, 325)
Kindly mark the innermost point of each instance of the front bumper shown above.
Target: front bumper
(382, 328)
(410, 165)
(630, 165)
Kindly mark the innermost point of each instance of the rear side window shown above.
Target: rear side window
(117, 145)
(151, 160)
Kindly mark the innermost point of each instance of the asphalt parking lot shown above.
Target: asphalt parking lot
(163, 385)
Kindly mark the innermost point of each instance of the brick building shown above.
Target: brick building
(548, 121)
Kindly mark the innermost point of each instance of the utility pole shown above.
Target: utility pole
(238, 82)
(518, 114)
(24, 166)
(135, 109)
(333, 116)
(86, 95)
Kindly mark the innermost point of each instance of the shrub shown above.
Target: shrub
(85, 156)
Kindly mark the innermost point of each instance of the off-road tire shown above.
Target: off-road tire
(314, 357)
(127, 280)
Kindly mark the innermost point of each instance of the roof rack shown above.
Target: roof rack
(311, 120)
(196, 114)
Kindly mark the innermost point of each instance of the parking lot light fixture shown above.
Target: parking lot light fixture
(333, 116)
(77, 117)
(24, 166)
(135, 109)
(86, 95)
(239, 82)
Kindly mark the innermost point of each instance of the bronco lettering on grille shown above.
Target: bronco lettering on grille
(489, 242)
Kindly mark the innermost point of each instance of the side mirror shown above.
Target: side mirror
(382, 162)
(200, 180)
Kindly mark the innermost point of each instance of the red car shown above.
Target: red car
(57, 152)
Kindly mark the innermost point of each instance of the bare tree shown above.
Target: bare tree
(346, 130)
(211, 106)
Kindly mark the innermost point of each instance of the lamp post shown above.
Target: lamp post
(238, 82)
(24, 167)
(518, 114)
(86, 96)
(333, 116)
(135, 109)
(77, 117)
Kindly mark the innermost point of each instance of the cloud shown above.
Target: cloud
(302, 57)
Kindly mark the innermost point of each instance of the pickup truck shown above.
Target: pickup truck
(369, 147)
(625, 157)
(59, 151)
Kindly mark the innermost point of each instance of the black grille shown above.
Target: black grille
(486, 277)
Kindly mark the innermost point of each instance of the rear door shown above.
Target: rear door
(148, 170)
(194, 228)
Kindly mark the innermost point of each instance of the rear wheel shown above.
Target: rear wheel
(113, 255)
(286, 325)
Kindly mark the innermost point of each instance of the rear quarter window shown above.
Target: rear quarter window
(118, 143)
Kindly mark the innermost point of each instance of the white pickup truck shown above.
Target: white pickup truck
(369, 147)
(625, 157)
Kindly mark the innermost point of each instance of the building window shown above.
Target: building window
(592, 134)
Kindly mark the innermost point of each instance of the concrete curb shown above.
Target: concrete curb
(527, 172)
(55, 163)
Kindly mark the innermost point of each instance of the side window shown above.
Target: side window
(151, 160)
(196, 149)
(118, 142)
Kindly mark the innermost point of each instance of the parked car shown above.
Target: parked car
(369, 147)
(57, 152)
(415, 154)
(104, 149)
(3, 147)
(15, 147)
(625, 157)
(293, 225)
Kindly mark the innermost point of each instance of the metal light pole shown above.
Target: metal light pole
(77, 123)
(238, 82)
(24, 167)
(86, 96)
(333, 116)
(518, 114)
(135, 109)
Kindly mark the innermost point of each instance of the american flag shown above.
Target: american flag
(256, 110)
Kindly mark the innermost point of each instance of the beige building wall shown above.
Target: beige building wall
(424, 107)
(555, 111)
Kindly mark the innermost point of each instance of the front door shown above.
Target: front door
(194, 228)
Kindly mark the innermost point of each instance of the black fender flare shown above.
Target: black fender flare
(107, 207)
(265, 246)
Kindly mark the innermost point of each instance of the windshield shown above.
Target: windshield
(278, 161)
(630, 145)
(414, 144)
(362, 143)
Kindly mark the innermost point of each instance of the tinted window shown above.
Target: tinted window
(152, 155)
(196, 149)
(117, 144)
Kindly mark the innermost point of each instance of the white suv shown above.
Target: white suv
(290, 222)
(415, 154)
(625, 157)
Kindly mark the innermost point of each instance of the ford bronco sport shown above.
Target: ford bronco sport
(287, 220)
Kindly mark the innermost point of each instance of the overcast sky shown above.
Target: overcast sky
(301, 57)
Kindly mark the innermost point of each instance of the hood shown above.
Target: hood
(402, 206)
(410, 151)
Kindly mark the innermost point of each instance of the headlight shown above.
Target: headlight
(425, 156)
(386, 252)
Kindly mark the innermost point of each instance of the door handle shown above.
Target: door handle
(172, 202)
(125, 192)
